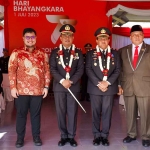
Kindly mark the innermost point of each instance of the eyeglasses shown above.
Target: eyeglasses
(30, 37)
(137, 35)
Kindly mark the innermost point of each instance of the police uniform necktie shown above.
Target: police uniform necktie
(67, 50)
(103, 59)
(103, 53)
(135, 58)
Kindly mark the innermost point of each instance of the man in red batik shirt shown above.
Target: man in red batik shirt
(29, 77)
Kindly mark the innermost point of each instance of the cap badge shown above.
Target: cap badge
(67, 28)
(103, 31)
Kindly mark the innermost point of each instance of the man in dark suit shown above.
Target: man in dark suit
(84, 78)
(66, 65)
(135, 82)
(103, 69)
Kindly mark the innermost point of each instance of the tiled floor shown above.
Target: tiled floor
(50, 133)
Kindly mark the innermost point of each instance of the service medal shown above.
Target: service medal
(95, 64)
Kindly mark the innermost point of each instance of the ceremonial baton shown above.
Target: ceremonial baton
(76, 99)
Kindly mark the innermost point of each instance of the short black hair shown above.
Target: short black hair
(28, 30)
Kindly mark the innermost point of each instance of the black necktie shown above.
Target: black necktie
(67, 50)
(103, 59)
(103, 54)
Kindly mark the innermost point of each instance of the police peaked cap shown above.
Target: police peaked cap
(88, 45)
(103, 31)
(67, 28)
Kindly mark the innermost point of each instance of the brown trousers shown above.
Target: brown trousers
(133, 103)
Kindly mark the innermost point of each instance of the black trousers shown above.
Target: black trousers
(66, 108)
(101, 114)
(84, 94)
(24, 103)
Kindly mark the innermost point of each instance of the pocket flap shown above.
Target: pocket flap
(146, 78)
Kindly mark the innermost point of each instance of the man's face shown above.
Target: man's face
(67, 39)
(88, 49)
(103, 42)
(137, 37)
(5, 53)
(29, 40)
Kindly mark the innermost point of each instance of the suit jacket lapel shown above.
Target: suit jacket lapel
(141, 52)
(129, 54)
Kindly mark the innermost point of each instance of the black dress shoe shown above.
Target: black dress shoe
(62, 141)
(73, 142)
(96, 141)
(128, 139)
(105, 141)
(19, 143)
(37, 141)
(146, 143)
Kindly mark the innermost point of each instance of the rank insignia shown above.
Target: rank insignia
(112, 55)
(94, 58)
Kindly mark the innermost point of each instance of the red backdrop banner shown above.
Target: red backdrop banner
(46, 17)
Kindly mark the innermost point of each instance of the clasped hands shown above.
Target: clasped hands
(66, 83)
(103, 86)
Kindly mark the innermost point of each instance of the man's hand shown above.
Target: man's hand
(120, 91)
(14, 93)
(102, 89)
(66, 84)
(45, 92)
(103, 84)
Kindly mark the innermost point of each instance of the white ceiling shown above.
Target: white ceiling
(125, 19)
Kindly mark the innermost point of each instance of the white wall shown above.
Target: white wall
(1, 42)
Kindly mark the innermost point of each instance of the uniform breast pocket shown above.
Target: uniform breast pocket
(146, 78)
(75, 62)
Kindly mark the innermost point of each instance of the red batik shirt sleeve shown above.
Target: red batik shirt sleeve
(47, 70)
(12, 69)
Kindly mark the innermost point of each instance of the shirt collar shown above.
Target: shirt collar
(26, 49)
(105, 50)
(139, 46)
(67, 48)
